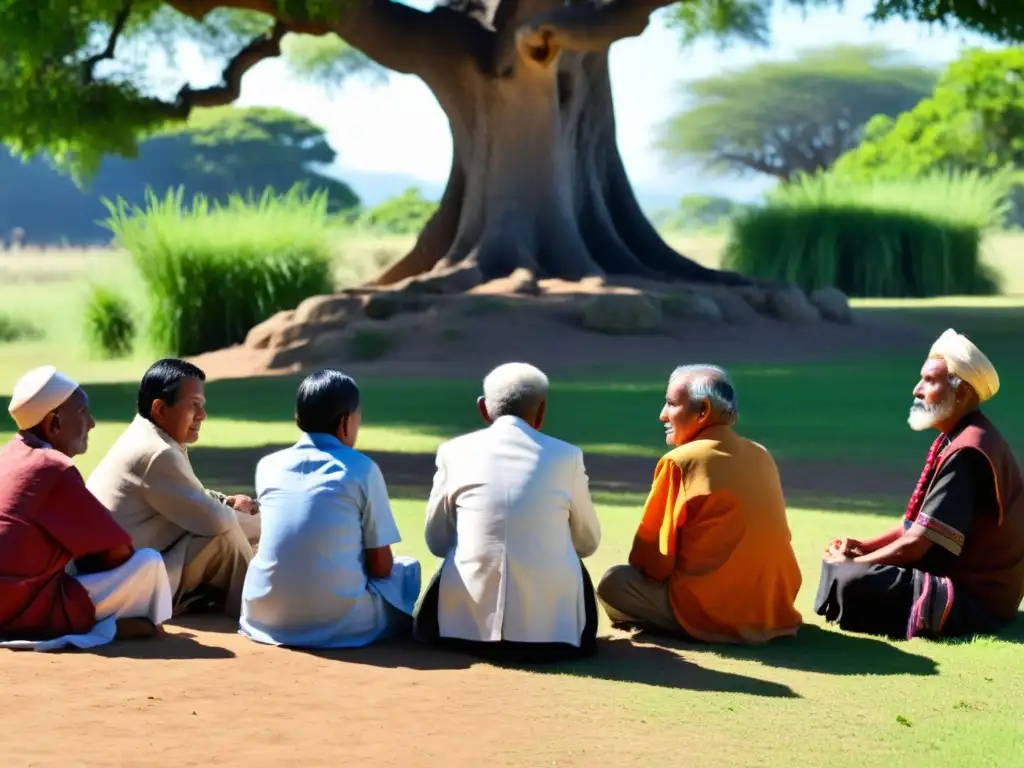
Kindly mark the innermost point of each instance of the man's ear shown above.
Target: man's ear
(481, 406)
(50, 423)
(705, 410)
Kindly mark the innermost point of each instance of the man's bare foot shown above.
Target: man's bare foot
(132, 629)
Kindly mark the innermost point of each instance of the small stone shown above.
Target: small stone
(291, 332)
(833, 305)
(692, 305)
(328, 309)
(755, 296)
(735, 309)
(381, 306)
(621, 313)
(791, 305)
(259, 336)
(286, 357)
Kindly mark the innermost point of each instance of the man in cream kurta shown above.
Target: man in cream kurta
(511, 514)
(147, 482)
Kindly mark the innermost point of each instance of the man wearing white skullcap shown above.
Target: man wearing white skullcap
(66, 568)
(954, 565)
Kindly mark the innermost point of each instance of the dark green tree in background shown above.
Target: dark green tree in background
(536, 181)
(218, 152)
(784, 118)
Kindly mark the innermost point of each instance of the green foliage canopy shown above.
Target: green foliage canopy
(973, 120)
(77, 81)
(781, 118)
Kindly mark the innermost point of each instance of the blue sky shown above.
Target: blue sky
(398, 127)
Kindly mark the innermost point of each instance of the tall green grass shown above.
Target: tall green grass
(109, 323)
(872, 238)
(214, 271)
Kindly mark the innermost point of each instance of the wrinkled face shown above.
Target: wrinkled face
(183, 420)
(348, 431)
(682, 422)
(67, 428)
(935, 400)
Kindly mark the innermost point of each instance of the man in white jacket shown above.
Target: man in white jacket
(510, 512)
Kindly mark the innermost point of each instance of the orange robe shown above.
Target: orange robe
(715, 527)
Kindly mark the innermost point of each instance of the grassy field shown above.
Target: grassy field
(823, 698)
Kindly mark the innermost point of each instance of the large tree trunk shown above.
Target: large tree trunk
(537, 180)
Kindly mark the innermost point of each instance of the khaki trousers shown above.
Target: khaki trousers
(629, 597)
(220, 562)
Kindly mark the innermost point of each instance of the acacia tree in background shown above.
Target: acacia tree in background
(536, 181)
(784, 118)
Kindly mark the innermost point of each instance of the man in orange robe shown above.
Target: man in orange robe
(712, 559)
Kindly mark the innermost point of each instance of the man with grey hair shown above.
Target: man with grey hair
(511, 515)
(712, 558)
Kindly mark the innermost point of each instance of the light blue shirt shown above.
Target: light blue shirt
(322, 505)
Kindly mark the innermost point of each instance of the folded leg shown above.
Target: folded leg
(138, 589)
(630, 598)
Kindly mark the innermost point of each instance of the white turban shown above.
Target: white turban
(966, 361)
(38, 392)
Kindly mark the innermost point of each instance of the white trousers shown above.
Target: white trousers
(138, 589)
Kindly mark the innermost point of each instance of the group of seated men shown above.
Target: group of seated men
(309, 562)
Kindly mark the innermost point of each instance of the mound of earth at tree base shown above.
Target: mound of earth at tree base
(564, 327)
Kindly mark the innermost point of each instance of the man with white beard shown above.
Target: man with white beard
(954, 565)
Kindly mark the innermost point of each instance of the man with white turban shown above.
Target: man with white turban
(954, 565)
(68, 572)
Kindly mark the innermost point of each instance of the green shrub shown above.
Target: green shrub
(109, 323)
(403, 214)
(15, 329)
(910, 238)
(214, 271)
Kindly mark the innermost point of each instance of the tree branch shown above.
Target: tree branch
(89, 65)
(407, 40)
(263, 47)
(585, 27)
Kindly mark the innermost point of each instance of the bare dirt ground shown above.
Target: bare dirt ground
(206, 696)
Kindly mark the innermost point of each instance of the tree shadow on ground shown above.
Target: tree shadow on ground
(615, 478)
(622, 661)
(176, 646)
(816, 649)
(396, 654)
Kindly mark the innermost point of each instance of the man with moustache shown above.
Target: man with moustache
(954, 565)
(147, 482)
(712, 559)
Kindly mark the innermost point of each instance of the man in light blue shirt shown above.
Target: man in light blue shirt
(324, 575)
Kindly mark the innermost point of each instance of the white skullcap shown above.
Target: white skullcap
(38, 392)
(966, 361)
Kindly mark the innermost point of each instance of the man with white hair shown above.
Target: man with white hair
(954, 565)
(712, 558)
(68, 572)
(510, 512)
